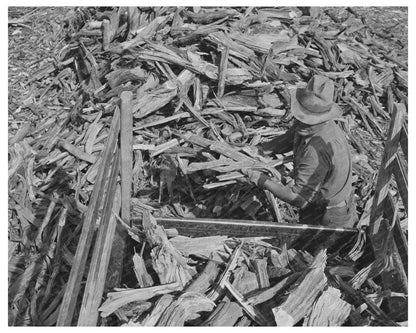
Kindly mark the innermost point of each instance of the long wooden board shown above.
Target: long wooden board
(73, 286)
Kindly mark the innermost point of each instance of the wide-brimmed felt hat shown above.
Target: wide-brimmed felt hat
(314, 104)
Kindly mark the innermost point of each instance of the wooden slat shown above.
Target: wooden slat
(400, 175)
(126, 139)
(384, 175)
(73, 286)
(101, 256)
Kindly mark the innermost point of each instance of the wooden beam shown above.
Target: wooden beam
(73, 286)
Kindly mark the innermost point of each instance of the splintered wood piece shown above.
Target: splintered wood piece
(73, 286)
(262, 296)
(329, 310)
(251, 311)
(186, 307)
(218, 289)
(206, 278)
(310, 285)
(245, 281)
(117, 299)
(76, 152)
(126, 153)
(222, 71)
(160, 307)
(168, 263)
(199, 246)
(225, 314)
(260, 265)
(143, 277)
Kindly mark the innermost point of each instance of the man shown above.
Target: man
(322, 161)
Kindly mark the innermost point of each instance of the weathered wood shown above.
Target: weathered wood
(160, 307)
(311, 284)
(329, 310)
(262, 296)
(67, 308)
(404, 140)
(199, 246)
(143, 277)
(400, 176)
(101, 255)
(117, 299)
(251, 311)
(222, 71)
(219, 288)
(168, 263)
(126, 153)
(186, 307)
(384, 176)
(225, 314)
(260, 266)
(206, 278)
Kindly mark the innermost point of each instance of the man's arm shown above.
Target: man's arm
(310, 175)
(279, 145)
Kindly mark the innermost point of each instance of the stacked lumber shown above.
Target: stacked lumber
(192, 91)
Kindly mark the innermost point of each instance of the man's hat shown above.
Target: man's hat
(314, 104)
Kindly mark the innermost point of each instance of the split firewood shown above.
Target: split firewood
(117, 299)
(167, 261)
(206, 278)
(329, 310)
(185, 308)
(299, 301)
(225, 314)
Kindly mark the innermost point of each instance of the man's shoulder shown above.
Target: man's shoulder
(331, 131)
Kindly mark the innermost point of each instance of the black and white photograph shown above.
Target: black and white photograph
(207, 165)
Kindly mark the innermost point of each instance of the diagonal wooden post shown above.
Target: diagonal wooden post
(67, 308)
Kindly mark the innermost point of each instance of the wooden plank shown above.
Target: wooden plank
(73, 286)
(247, 228)
(126, 139)
(400, 175)
(101, 255)
(384, 175)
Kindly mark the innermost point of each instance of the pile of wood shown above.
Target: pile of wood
(221, 281)
(205, 85)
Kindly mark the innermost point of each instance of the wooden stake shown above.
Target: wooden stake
(126, 139)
